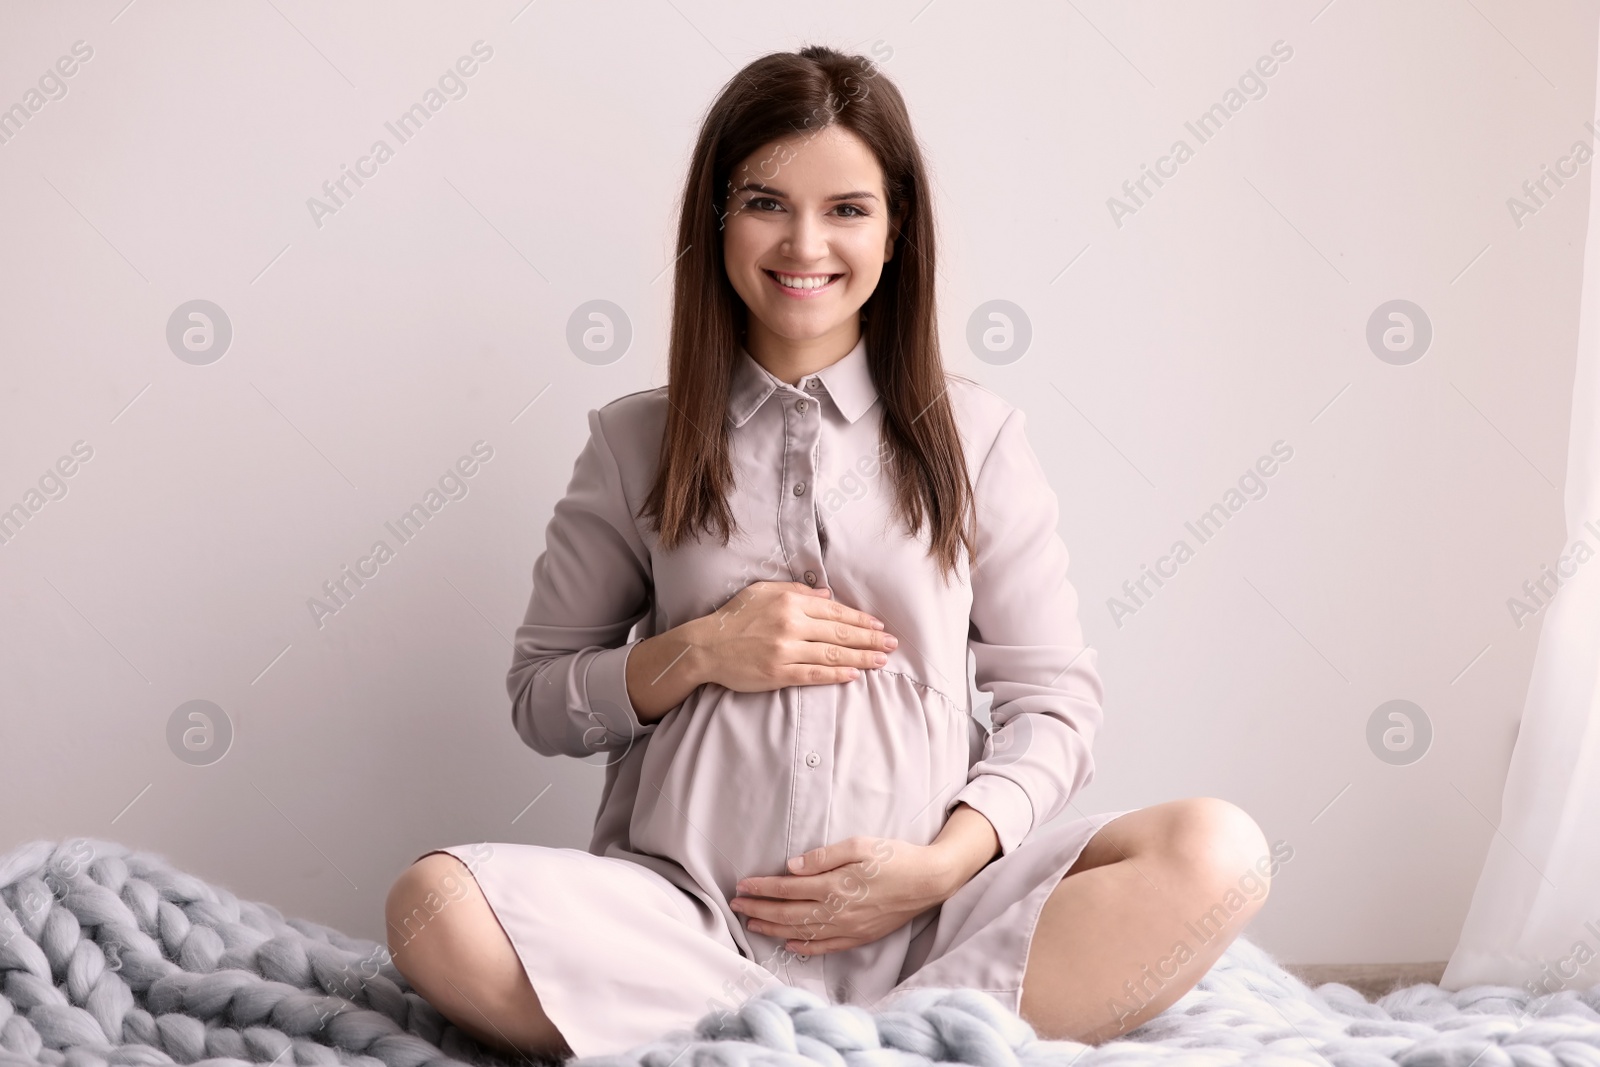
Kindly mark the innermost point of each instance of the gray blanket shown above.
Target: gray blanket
(112, 956)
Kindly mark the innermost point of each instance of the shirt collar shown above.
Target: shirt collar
(847, 381)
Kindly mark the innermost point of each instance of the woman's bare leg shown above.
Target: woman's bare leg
(445, 939)
(1156, 897)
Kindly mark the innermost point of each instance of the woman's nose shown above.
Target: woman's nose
(805, 241)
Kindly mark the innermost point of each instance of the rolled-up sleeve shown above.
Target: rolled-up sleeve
(591, 585)
(1029, 649)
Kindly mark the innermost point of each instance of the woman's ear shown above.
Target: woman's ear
(894, 235)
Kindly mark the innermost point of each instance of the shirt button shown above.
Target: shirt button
(811, 577)
(811, 383)
(812, 759)
(801, 405)
(799, 489)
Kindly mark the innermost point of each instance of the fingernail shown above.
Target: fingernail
(879, 658)
(892, 641)
(797, 863)
(877, 624)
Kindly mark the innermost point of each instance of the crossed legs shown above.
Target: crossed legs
(1147, 908)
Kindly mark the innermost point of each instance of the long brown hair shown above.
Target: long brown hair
(774, 98)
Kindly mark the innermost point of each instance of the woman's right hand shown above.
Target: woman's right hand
(774, 634)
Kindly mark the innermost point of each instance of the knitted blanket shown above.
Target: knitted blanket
(111, 956)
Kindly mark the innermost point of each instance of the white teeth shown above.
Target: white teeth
(791, 282)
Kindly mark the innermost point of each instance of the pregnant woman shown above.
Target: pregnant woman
(813, 523)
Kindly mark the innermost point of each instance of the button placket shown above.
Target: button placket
(798, 514)
(816, 707)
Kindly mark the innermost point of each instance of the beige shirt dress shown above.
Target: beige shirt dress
(635, 937)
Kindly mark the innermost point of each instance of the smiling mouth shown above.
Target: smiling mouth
(811, 284)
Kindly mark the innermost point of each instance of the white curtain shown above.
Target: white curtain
(1535, 915)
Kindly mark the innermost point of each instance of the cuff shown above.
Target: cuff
(1003, 802)
(606, 685)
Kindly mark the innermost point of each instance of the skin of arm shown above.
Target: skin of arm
(965, 845)
(663, 670)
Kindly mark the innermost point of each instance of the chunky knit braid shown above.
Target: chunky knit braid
(112, 956)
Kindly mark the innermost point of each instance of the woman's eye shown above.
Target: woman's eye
(758, 202)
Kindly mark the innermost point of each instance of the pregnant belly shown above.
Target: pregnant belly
(733, 784)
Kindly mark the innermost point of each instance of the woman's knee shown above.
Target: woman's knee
(445, 939)
(437, 892)
(1220, 845)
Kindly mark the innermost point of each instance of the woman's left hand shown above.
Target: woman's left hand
(849, 893)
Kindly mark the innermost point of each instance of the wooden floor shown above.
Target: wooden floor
(1372, 980)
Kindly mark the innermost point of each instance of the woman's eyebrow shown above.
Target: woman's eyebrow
(760, 188)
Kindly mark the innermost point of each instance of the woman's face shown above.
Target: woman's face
(810, 211)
